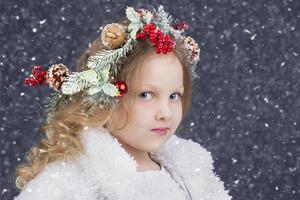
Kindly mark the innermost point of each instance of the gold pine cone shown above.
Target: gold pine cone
(113, 35)
(56, 75)
(192, 48)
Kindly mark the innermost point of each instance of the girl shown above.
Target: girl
(110, 132)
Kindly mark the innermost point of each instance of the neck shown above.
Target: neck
(139, 156)
(143, 158)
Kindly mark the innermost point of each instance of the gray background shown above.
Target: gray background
(245, 107)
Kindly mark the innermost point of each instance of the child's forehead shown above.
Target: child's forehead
(151, 57)
(157, 85)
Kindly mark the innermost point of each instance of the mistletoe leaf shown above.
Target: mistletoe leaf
(74, 83)
(110, 89)
(94, 89)
(90, 75)
(104, 75)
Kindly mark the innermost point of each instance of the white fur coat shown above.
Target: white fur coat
(107, 172)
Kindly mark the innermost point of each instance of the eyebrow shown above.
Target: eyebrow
(153, 86)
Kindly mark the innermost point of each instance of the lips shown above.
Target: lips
(160, 130)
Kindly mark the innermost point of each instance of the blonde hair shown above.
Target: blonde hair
(61, 135)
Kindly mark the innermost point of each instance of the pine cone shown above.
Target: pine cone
(56, 75)
(192, 48)
(113, 35)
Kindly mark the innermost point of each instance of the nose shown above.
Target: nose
(163, 111)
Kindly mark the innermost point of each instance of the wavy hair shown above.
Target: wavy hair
(61, 135)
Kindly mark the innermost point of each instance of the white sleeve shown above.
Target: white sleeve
(215, 186)
(50, 184)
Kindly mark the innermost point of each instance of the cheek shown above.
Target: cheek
(177, 112)
(143, 108)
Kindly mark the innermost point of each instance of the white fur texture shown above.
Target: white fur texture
(107, 172)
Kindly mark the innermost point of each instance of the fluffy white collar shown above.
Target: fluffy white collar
(107, 164)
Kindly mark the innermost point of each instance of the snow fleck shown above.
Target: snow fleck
(266, 125)
(34, 30)
(4, 191)
(235, 24)
(253, 37)
(234, 160)
(266, 100)
(22, 94)
(235, 46)
(246, 31)
(42, 21)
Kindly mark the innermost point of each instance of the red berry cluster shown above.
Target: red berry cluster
(38, 76)
(162, 43)
(122, 87)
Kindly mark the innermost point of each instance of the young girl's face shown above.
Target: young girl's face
(157, 104)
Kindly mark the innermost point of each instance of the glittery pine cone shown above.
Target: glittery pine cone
(192, 48)
(113, 35)
(56, 75)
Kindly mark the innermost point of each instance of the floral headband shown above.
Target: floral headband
(98, 81)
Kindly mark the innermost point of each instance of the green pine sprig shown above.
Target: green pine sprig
(135, 22)
(163, 21)
(100, 98)
(54, 102)
(105, 58)
(74, 83)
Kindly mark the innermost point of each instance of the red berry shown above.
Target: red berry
(122, 87)
(37, 67)
(41, 79)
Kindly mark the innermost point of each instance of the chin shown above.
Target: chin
(155, 147)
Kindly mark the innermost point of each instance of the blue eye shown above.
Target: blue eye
(178, 94)
(143, 94)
